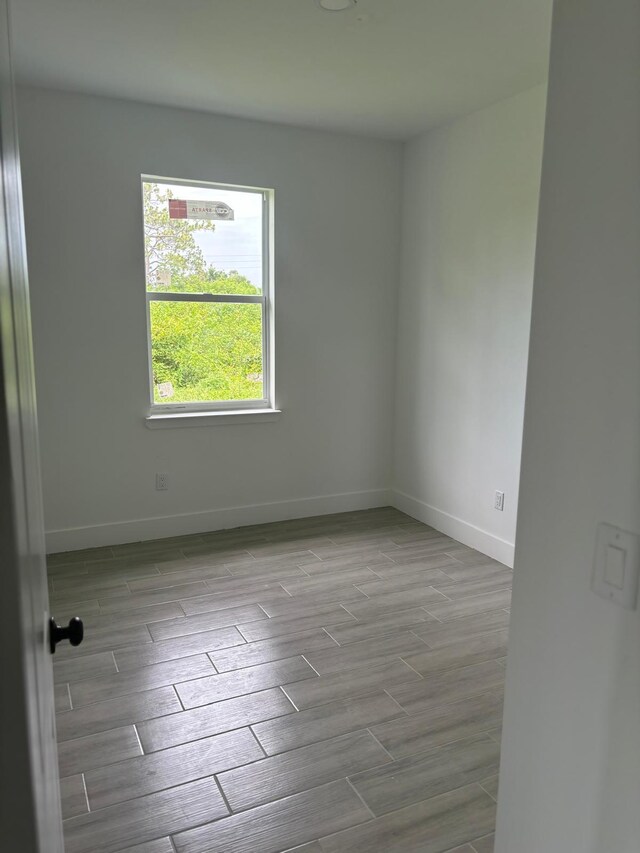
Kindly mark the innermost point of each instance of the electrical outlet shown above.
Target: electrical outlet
(499, 504)
(162, 482)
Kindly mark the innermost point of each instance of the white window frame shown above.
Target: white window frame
(172, 411)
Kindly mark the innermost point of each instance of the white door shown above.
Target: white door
(30, 804)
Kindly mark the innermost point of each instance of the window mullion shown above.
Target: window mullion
(181, 296)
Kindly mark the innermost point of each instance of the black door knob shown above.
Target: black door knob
(74, 632)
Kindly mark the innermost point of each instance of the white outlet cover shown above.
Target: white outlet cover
(616, 566)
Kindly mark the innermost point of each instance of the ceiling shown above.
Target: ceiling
(388, 68)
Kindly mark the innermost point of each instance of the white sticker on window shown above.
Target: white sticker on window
(183, 209)
(165, 389)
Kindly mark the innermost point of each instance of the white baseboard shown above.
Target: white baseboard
(121, 532)
(463, 531)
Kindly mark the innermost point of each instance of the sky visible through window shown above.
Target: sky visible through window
(234, 245)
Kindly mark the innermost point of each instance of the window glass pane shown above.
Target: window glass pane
(206, 351)
(202, 239)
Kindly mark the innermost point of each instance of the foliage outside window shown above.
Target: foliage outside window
(207, 280)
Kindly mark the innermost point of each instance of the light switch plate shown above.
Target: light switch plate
(616, 566)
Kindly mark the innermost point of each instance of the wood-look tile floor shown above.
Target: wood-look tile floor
(325, 685)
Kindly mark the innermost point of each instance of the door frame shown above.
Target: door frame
(30, 818)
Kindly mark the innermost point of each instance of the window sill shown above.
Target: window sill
(198, 419)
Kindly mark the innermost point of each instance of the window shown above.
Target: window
(209, 296)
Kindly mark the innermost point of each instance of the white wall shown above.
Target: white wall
(570, 773)
(470, 207)
(337, 261)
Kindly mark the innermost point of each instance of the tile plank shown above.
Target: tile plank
(265, 651)
(88, 586)
(469, 606)
(491, 786)
(420, 549)
(301, 769)
(411, 780)
(299, 607)
(474, 558)
(222, 601)
(305, 600)
(369, 559)
(279, 626)
(73, 798)
(465, 589)
(436, 635)
(179, 647)
(328, 582)
(421, 581)
(242, 681)
(138, 616)
(415, 595)
(356, 549)
(87, 753)
(135, 681)
(185, 574)
(248, 583)
(432, 826)
(61, 697)
(179, 592)
(145, 818)
(162, 845)
(382, 606)
(447, 687)
(280, 825)
(439, 563)
(64, 607)
(470, 651)
(184, 625)
(217, 550)
(229, 714)
(326, 721)
(367, 653)
(81, 667)
(392, 623)
(114, 713)
(413, 534)
(279, 569)
(146, 774)
(122, 569)
(484, 845)
(356, 682)
(465, 572)
(410, 735)
(288, 546)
